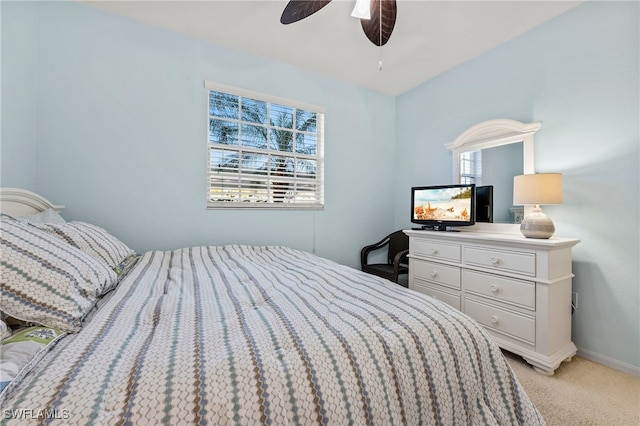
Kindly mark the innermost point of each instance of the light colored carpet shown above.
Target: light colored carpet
(581, 392)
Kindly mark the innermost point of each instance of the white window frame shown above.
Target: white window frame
(471, 167)
(293, 199)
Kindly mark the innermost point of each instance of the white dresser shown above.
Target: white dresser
(518, 288)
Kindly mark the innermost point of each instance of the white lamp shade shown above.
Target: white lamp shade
(536, 189)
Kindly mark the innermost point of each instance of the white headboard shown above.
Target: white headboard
(20, 202)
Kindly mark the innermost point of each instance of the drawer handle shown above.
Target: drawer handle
(494, 319)
(494, 288)
(495, 260)
(433, 274)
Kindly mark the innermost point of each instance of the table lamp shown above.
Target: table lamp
(537, 189)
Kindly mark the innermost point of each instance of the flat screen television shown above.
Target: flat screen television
(484, 203)
(443, 207)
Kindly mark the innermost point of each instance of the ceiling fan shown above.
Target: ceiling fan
(377, 17)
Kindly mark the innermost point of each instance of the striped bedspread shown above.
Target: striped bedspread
(271, 335)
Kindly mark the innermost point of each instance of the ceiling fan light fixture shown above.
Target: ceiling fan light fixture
(362, 9)
(377, 17)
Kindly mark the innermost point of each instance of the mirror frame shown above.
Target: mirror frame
(492, 133)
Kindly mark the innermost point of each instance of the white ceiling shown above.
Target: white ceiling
(430, 37)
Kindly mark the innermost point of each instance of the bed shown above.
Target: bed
(227, 335)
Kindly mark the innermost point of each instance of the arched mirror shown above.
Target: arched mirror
(490, 154)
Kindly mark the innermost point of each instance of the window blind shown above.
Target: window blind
(471, 167)
(263, 151)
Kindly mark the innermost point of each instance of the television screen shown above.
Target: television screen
(443, 206)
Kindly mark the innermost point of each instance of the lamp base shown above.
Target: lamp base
(537, 225)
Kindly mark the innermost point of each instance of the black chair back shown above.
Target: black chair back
(398, 241)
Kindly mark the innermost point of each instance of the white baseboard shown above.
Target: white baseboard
(609, 362)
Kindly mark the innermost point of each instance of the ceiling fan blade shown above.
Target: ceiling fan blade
(300, 9)
(372, 27)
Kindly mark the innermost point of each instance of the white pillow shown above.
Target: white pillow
(5, 331)
(47, 216)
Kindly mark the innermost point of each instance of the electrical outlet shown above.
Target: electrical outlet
(574, 300)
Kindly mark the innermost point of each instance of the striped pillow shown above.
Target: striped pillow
(45, 280)
(91, 239)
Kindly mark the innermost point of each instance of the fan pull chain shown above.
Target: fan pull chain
(380, 34)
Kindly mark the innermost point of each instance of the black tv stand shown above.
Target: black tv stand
(437, 228)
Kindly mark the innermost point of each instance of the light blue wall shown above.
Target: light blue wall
(120, 124)
(19, 38)
(578, 75)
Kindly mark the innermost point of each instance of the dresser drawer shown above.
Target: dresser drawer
(501, 260)
(451, 299)
(436, 272)
(516, 325)
(508, 290)
(436, 250)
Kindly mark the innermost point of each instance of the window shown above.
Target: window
(263, 151)
(471, 167)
